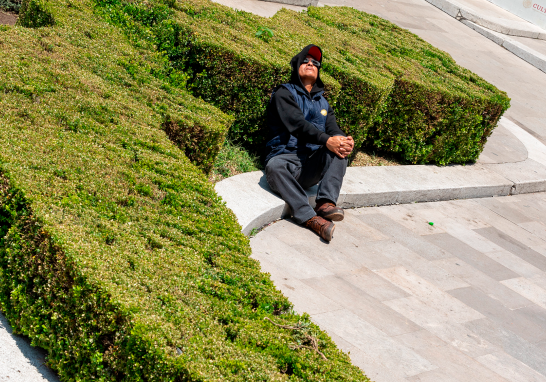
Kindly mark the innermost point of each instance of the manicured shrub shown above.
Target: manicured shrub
(35, 14)
(233, 69)
(10, 5)
(116, 255)
(365, 83)
(397, 91)
(201, 145)
(425, 124)
(437, 111)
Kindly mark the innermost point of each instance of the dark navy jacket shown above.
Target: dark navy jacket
(299, 121)
(314, 109)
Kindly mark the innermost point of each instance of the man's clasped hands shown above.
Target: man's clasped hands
(341, 146)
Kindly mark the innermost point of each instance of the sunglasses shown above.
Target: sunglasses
(314, 62)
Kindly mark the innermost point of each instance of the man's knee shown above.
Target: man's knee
(275, 165)
(280, 170)
(333, 159)
(275, 169)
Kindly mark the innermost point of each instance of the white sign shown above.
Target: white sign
(533, 11)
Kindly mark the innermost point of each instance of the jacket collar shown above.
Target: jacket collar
(315, 92)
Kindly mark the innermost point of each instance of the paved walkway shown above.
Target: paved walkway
(490, 9)
(461, 300)
(20, 362)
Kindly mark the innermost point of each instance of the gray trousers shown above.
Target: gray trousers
(290, 174)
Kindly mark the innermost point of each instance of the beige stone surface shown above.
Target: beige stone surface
(459, 302)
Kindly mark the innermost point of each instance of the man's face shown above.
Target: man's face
(308, 71)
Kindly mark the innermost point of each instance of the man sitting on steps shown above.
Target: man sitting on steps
(306, 145)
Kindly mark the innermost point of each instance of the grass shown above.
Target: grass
(233, 159)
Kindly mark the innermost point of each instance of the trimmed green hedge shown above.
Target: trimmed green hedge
(365, 83)
(116, 255)
(437, 111)
(233, 69)
(35, 14)
(398, 93)
(200, 143)
(10, 5)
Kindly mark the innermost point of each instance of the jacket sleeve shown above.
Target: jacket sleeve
(332, 129)
(292, 118)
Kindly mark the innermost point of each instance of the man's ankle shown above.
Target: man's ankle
(320, 202)
(329, 210)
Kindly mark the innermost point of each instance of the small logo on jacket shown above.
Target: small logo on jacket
(323, 112)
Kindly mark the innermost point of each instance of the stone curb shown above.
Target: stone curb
(255, 205)
(504, 26)
(299, 3)
(538, 60)
(493, 27)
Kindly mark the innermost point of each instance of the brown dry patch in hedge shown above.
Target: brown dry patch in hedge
(7, 18)
(366, 158)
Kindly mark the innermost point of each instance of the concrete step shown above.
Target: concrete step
(255, 205)
(511, 27)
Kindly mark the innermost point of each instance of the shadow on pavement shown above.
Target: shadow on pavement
(19, 361)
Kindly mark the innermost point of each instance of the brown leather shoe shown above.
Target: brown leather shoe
(322, 227)
(329, 211)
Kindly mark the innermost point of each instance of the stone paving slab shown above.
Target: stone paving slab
(511, 344)
(475, 259)
(260, 7)
(300, 3)
(503, 147)
(478, 313)
(511, 368)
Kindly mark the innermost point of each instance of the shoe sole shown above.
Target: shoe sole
(334, 216)
(328, 236)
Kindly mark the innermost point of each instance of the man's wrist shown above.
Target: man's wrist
(323, 139)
